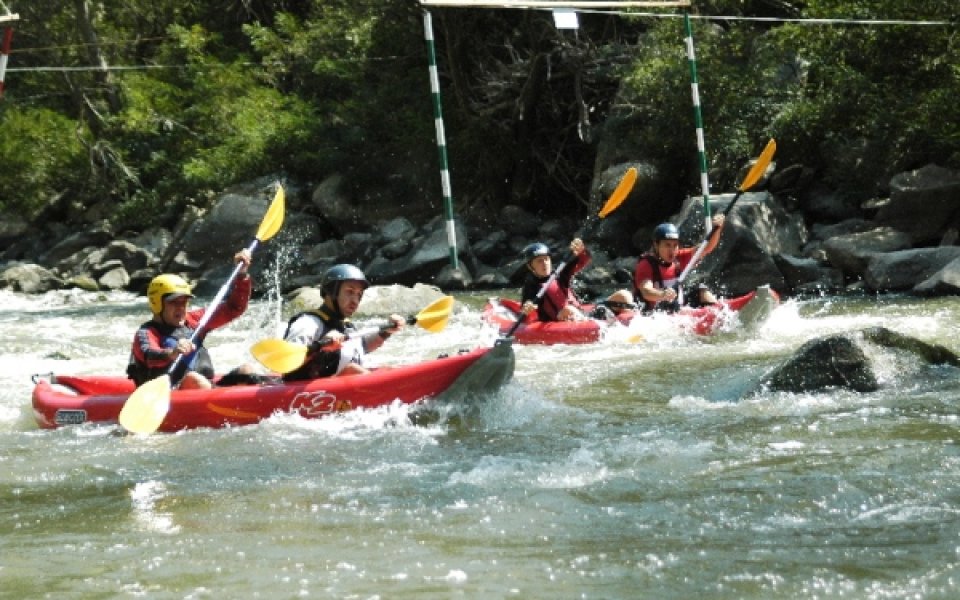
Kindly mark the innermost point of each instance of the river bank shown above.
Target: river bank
(778, 237)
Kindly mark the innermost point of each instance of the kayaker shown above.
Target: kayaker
(326, 330)
(614, 305)
(558, 301)
(659, 269)
(159, 341)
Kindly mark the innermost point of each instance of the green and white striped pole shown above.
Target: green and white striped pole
(441, 141)
(698, 117)
(701, 151)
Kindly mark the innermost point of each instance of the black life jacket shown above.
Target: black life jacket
(198, 361)
(318, 363)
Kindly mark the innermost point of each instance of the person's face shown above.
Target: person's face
(541, 266)
(175, 310)
(349, 296)
(667, 250)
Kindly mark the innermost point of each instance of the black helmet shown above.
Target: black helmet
(534, 250)
(666, 231)
(337, 274)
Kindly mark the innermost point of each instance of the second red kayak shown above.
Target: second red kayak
(751, 309)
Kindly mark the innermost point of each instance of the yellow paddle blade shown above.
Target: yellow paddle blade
(434, 317)
(274, 218)
(759, 167)
(145, 409)
(620, 194)
(278, 355)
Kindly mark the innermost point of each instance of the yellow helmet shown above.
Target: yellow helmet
(166, 286)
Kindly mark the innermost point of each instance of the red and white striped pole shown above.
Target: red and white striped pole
(5, 54)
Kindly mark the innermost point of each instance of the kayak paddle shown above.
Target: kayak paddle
(613, 202)
(145, 409)
(749, 181)
(281, 356)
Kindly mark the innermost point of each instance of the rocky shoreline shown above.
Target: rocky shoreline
(801, 243)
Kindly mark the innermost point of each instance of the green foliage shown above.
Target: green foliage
(224, 92)
(41, 159)
(853, 101)
(341, 58)
(870, 96)
(208, 124)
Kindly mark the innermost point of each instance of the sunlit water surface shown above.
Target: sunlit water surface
(623, 469)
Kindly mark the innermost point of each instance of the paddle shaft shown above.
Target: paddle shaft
(412, 320)
(749, 181)
(211, 309)
(703, 245)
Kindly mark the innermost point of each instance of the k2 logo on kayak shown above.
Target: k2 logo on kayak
(317, 404)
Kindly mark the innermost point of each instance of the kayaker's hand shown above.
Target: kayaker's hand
(184, 346)
(244, 257)
(569, 313)
(397, 323)
(528, 307)
(576, 246)
(718, 221)
(329, 343)
(668, 295)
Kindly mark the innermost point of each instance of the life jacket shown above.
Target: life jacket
(692, 300)
(655, 265)
(167, 336)
(319, 363)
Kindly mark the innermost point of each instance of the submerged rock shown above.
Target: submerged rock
(845, 361)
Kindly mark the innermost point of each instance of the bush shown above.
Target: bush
(40, 158)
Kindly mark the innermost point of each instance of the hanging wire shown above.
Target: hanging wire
(624, 13)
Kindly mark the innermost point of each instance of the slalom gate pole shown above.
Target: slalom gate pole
(441, 141)
(5, 54)
(698, 117)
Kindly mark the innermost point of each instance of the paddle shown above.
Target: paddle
(145, 409)
(749, 181)
(613, 202)
(281, 356)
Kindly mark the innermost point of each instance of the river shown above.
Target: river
(622, 469)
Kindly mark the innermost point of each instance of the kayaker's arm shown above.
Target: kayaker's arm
(714, 239)
(372, 339)
(581, 258)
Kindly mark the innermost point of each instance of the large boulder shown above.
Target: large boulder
(852, 252)
(833, 362)
(945, 282)
(424, 262)
(349, 208)
(96, 236)
(902, 270)
(808, 276)
(29, 278)
(229, 226)
(849, 361)
(924, 204)
(757, 230)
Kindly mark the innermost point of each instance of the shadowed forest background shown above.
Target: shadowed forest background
(133, 111)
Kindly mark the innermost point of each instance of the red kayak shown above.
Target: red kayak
(751, 309)
(72, 400)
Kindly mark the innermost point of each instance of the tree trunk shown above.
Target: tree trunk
(89, 35)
